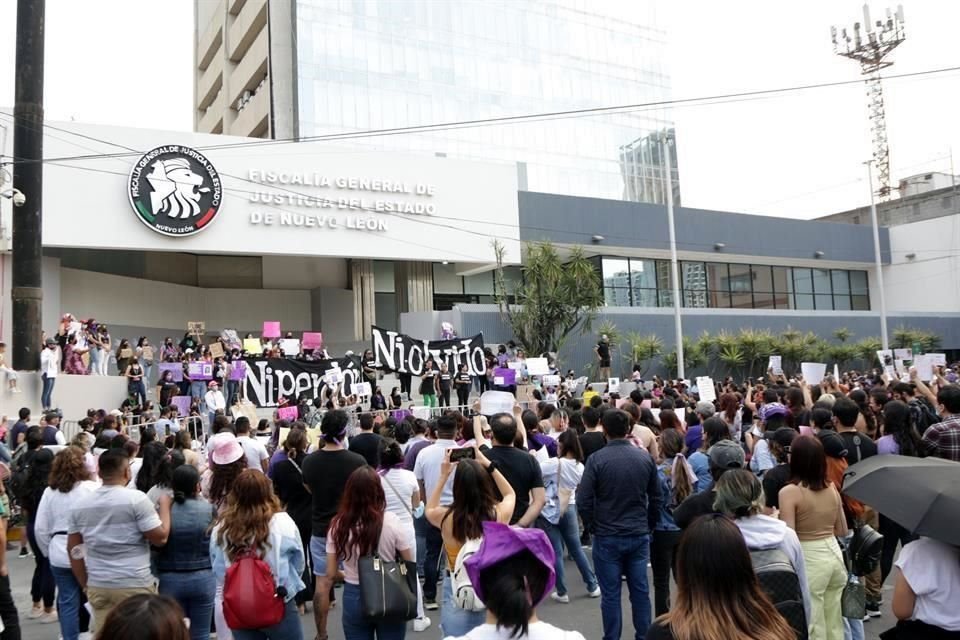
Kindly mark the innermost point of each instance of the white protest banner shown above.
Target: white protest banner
(924, 365)
(708, 392)
(903, 354)
(290, 346)
(885, 356)
(516, 366)
(899, 366)
(538, 366)
(613, 385)
(551, 381)
(362, 389)
(813, 372)
(775, 366)
(938, 359)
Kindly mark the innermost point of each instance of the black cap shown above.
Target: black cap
(783, 436)
(833, 444)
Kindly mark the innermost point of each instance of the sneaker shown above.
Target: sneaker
(86, 635)
(421, 624)
(24, 553)
(595, 593)
(49, 617)
(563, 599)
(430, 605)
(35, 613)
(873, 609)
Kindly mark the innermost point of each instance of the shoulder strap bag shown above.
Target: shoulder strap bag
(388, 590)
(399, 497)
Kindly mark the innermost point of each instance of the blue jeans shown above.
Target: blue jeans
(455, 621)
(46, 396)
(853, 629)
(197, 389)
(420, 528)
(138, 390)
(147, 372)
(567, 533)
(356, 627)
(69, 602)
(194, 590)
(613, 557)
(287, 629)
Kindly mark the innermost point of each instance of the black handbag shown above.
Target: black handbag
(388, 590)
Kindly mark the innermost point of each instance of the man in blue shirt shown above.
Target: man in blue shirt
(619, 502)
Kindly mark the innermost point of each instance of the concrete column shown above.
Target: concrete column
(414, 286)
(364, 309)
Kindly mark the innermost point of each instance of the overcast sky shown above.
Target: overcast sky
(128, 62)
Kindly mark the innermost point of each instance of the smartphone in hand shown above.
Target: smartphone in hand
(462, 453)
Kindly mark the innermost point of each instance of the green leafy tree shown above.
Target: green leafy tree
(756, 347)
(867, 350)
(842, 354)
(693, 357)
(557, 297)
(643, 350)
(732, 357)
(842, 334)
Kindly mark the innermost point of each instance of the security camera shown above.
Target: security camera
(18, 198)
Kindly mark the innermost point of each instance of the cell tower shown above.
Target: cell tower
(870, 45)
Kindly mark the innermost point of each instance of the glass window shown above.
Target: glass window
(821, 281)
(764, 301)
(718, 299)
(693, 276)
(804, 301)
(383, 281)
(481, 283)
(841, 302)
(740, 279)
(645, 297)
(802, 283)
(643, 273)
(695, 299)
(824, 301)
(616, 296)
(616, 272)
(663, 276)
(841, 281)
(742, 300)
(446, 280)
(858, 283)
(666, 297)
(717, 276)
(782, 282)
(762, 277)
(512, 278)
(861, 303)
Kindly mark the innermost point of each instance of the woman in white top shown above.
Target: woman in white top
(69, 481)
(926, 591)
(402, 493)
(561, 477)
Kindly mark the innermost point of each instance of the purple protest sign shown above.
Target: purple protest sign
(238, 371)
(503, 377)
(175, 368)
(182, 403)
(200, 371)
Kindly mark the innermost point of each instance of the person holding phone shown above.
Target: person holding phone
(474, 502)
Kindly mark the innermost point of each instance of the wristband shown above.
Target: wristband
(492, 467)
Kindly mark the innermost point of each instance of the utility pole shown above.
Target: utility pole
(878, 263)
(27, 290)
(667, 172)
(871, 48)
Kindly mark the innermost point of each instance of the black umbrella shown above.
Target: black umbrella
(920, 494)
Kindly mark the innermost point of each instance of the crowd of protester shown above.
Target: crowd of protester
(163, 519)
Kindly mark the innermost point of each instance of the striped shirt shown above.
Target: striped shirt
(112, 521)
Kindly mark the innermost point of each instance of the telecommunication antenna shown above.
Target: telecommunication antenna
(870, 44)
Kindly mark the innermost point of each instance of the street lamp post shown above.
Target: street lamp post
(674, 268)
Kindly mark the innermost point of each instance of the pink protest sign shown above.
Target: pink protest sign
(288, 413)
(271, 329)
(312, 341)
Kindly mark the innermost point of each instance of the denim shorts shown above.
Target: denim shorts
(318, 554)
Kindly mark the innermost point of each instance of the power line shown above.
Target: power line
(548, 115)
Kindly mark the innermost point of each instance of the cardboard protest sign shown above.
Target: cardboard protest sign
(182, 403)
(813, 372)
(504, 377)
(313, 436)
(290, 347)
(775, 365)
(147, 353)
(885, 356)
(538, 366)
(288, 413)
(216, 349)
(333, 376)
(126, 353)
(312, 340)
(705, 386)
(252, 346)
(196, 327)
(271, 329)
(175, 369)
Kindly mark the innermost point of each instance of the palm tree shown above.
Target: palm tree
(643, 350)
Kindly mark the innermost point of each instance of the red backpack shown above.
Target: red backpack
(250, 598)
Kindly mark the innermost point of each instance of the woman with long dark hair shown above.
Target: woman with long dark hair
(474, 502)
(732, 415)
(900, 437)
(718, 596)
(183, 564)
(252, 519)
(677, 483)
(296, 500)
(69, 481)
(715, 429)
(811, 506)
(866, 421)
(561, 476)
(363, 527)
(153, 470)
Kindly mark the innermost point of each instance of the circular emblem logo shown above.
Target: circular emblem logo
(175, 190)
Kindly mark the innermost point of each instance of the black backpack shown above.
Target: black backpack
(780, 582)
(29, 479)
(922, 416)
